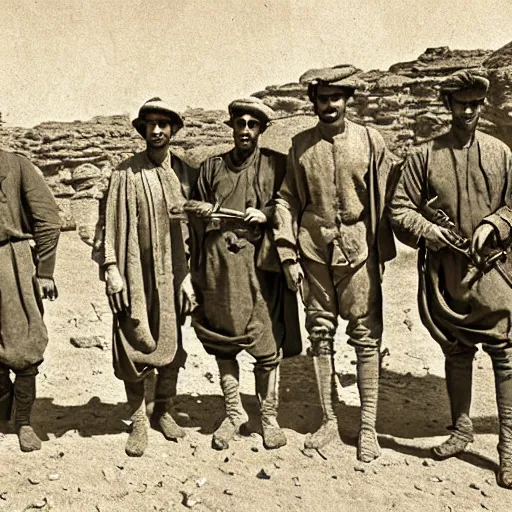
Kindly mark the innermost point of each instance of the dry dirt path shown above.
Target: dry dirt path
(80, 407)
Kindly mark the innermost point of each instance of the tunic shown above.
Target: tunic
(27, 212)
(244, 301)
(144, 237)
(329, 214)
(471, 184)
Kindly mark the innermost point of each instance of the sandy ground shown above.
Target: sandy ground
(80, 408)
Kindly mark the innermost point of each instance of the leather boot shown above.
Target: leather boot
(235, 414)
(138, 436)
(25, 396)
(502, 365)
(267, 391)
(368, 366)
(459, 377)
(323, 361)
(165, 392)
(6, 394)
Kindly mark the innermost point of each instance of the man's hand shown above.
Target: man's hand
(255, 216)
(115, 290)
(199, 208)
(48, 288)
(437, 238)
(483, 242)
(294, 274)
(187, 296)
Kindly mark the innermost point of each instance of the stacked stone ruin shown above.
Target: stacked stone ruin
(403, 103)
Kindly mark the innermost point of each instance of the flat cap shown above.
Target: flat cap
(344, 75)
(253, 106)
(466, 81)
(157, 105)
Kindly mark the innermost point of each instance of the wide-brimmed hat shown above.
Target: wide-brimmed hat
(472, 84)
(251, 105)
(156, 105)
(345, 75)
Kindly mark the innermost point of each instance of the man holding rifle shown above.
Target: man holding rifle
(244, 303)
(453, 200)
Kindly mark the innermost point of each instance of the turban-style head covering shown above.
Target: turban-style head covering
(156, 105)
(253, 106)
(344, 76)
(466, 85)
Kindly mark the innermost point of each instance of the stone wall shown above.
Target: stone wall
(402, 103)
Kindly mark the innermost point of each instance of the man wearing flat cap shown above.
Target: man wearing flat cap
(453, 200)
(146, 271)
(243, 300)
(330, 234)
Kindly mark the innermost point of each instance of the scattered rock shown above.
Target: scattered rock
(473, 485)
(190, 500)
(34, 481)
(428, 463)
(53, 477)
(254, 449)
(263, 475)
(436, 479)
(109, 475)
(88, 341)
(485, 494)
(229, 492)
(200, 482)
(359, 468)
(296, 481)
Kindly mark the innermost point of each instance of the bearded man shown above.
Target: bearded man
(330, 233)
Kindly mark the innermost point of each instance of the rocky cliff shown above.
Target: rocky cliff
(402, 103)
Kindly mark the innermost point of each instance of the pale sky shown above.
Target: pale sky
(73, 59)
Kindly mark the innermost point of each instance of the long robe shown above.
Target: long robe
(144, 237)
(471, 185)
(244, 300)
(27, 212)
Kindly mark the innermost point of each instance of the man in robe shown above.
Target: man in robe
(453, 200)
(145, 268)
(331, 235)
(243, 300)
(28, 215)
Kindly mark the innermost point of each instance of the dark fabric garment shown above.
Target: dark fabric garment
(242, 306)
(27, 212)
(143, 236)
(471, 185)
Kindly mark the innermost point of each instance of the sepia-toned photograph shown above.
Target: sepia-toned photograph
(255, 256)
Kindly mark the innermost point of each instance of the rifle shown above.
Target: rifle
(461, 244)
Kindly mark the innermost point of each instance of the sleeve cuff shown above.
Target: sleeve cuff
(502, 226)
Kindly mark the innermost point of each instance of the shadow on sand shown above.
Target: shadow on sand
(409, 407)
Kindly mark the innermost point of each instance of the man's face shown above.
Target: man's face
(331, 103)
(158, 130)
(466, 108)
(246, 131)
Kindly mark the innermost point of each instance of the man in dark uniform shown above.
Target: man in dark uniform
(27, 212)
(453, 199)
(244, 303)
